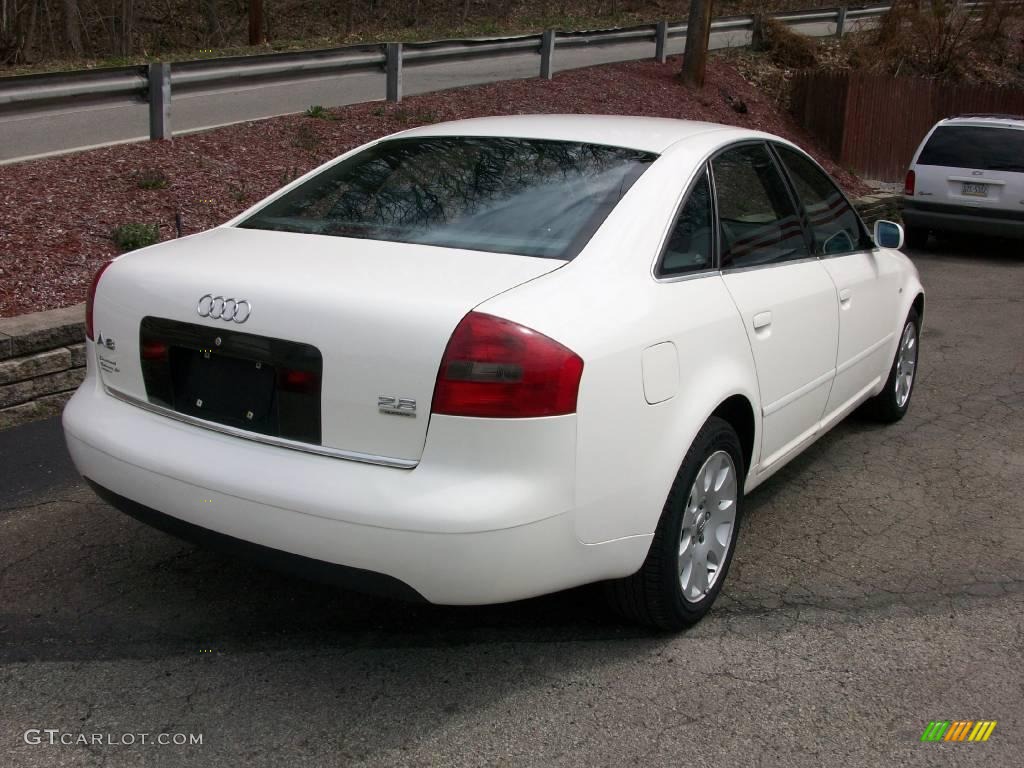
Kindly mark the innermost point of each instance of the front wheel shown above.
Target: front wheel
(695, 538)
(891, 404)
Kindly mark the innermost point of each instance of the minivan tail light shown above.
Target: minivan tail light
(494, 368)
(90, 300)
(910, 183)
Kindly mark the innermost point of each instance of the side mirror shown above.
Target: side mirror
(888, 234)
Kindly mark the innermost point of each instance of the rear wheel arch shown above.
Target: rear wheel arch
(738, 411)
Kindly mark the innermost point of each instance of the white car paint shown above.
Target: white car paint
(469, 510)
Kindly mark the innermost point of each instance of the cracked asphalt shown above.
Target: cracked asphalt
(878, 584)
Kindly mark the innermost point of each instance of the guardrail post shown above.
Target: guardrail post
(394, 72)
(840, 21)
(661, 42)
(159, 101)
(547, 54)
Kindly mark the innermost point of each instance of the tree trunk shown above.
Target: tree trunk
(698, 32)
(211, 22)
(72, 27)
(256, 22)
(127, 22)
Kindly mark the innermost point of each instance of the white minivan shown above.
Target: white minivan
(967, 176)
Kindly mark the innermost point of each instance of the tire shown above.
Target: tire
(891, 404)
(916, 237)
(654, 595)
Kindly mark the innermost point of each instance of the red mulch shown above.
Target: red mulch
(58, 213)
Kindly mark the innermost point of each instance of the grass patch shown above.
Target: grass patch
(238, 192)
(151, 178)
(134, 235)
(305, 138)
(415, 116)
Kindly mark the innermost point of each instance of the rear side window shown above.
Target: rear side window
(834, 223)
(521, 196)
(975, 146)
(758, 222)
(690, 243)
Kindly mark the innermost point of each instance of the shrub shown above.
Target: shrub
(133, 235)
(151, 178)
(238, 192)
(785, 47)
(305, 138)
(319, 112)
(940, 39)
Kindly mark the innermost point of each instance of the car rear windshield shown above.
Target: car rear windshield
(975, 146)
(520, 196)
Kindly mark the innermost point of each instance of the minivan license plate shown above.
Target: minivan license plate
(975, 190)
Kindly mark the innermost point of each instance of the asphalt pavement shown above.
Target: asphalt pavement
(878, 585)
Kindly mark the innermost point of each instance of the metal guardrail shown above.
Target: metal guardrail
(155, 83)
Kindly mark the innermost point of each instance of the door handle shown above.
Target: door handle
(762, 320)
(845, 295)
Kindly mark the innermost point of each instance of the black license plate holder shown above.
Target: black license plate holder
(228, 390)
(223, 375)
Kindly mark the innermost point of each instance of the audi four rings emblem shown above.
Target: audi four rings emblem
(228, 310)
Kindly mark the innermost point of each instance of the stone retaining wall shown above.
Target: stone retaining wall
(42, 361)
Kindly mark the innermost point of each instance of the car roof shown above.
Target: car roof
(649, 134)
(995, 121)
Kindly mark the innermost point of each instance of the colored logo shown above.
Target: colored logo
(958, 730)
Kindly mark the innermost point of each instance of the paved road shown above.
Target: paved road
(878, 584)
(67, 129)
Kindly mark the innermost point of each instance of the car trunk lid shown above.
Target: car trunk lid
(378, 315)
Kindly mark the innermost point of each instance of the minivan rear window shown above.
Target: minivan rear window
(504, 195)
(975, 146)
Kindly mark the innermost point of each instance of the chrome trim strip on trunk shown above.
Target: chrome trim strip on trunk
(279, 442)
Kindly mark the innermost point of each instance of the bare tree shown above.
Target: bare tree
(698, 32)
(72, 27)
(256, 36)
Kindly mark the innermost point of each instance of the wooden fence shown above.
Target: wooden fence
(872, 124)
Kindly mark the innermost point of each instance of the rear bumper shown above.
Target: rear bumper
(314, 570)
(477, 521)
(951, 218)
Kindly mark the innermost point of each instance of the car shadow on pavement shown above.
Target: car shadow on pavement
(990, 251)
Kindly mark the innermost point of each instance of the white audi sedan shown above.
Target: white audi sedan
(484, 360)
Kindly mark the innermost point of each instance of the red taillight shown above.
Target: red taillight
(154, 350)
(90, 299)
(499, 369)
(909, 184)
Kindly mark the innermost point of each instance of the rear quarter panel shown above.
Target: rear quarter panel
(607, 307)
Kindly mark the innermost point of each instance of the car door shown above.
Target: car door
(866, 281)
(783, 293)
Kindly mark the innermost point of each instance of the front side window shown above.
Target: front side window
(979, 147)
(690, 242)
(504, 195)
(758, 223)
(833, 222)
